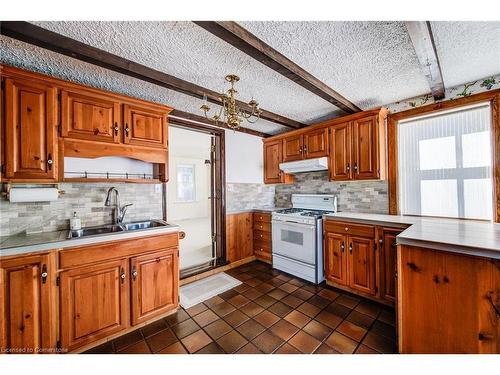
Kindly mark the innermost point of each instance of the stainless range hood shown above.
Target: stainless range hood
(308, 165)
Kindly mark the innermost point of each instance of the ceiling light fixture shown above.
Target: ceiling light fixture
(229, 113)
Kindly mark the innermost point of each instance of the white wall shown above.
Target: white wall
(244, 158)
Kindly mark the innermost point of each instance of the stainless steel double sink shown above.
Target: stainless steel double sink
(116, 228)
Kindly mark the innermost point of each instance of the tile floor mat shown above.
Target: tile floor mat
(204, 289)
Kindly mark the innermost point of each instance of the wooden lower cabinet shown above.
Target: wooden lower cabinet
(336, 258)
(361, 264)
(27, 304)
(262, 236)
(94, 302)
(361, 258)
(447, 303)
(239, 242)
(148, 272)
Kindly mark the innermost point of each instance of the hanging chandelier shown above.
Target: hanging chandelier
(229, 113)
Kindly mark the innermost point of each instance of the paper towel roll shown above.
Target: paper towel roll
(17, 195)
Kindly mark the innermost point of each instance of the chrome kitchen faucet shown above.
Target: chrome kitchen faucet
(119, 211)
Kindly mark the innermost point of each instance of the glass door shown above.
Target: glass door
(192, 198)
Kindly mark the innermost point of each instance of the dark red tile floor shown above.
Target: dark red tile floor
(271, 312)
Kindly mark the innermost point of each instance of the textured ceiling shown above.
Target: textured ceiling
(467, 51)
(370, 63)
(23, 55)
(187, 51)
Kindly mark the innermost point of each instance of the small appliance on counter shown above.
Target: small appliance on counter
(297, 236)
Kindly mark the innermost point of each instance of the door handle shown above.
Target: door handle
(44, 274)
(122, 275)
(134, 273)
(348, 168)
(350, 248)
(355, 167)
(126, 129)
(116, 128)
(49, 161)
(342, 247)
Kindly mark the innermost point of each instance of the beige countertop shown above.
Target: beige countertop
(256, 209)
(29, 243)
(461, 236)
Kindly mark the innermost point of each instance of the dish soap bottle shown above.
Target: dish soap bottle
(75, 223)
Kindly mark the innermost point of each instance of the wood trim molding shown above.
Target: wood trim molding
(493, 97)
(38, 36)
(232, 33)
(425, 48)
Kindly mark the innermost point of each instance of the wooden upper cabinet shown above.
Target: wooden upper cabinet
(155, 284)
(145, 126)
(315, 143)
(273, 156)
(27, 303)
(89, 116)
(340, 152)
(447, 302)
(362, 264)
(336, 258)
(30, 130)
(94, 302)
(292, 148)
(366, 148)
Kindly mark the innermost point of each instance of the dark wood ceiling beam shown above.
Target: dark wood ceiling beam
(50, 40)
(239, 37)
(425, 48)
(186, 118)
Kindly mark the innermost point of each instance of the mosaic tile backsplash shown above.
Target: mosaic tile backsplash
(353, 196)
(87, 200)
(245, 196)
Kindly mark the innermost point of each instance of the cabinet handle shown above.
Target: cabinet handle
(49, 162)
(134, 273)
(350, 248)
(300, 150)
(126, 129)
(44, 274)
(116, 128)
(348, 167)
(355, 167)
(484, 337)
(305, 148)
(489, 297)
(122, 275)
(381, 241)
(342, 247)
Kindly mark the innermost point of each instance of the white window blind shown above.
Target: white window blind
(444, 164)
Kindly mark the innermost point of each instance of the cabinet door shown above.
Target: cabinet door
(155, 284)
(89, 116)
(362, 264)
(365, 144)
(340, 152)
(30, 130)
(27, 305)
(316, 143)
(293, 148)
(273, 156)
(446, 302)
(145, 126)
(388, 250)
(94, 302)
(239, 236)
(336, 258)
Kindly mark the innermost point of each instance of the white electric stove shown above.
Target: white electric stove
(297, 236)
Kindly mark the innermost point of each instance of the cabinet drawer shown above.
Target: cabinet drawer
(261, 218)
(350, 228)
(114, 250)
(259, 235)
(262, 246)
(263, 226)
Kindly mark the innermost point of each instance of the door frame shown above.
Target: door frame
(218, 193)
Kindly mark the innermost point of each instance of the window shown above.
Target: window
(185, 183)
(444, 164)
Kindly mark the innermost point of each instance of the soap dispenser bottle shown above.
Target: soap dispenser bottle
(74, 222)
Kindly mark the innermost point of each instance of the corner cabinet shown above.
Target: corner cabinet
(30, 131)
(27, 304)
(447, 303)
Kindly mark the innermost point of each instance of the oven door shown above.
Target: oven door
(295, 241)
